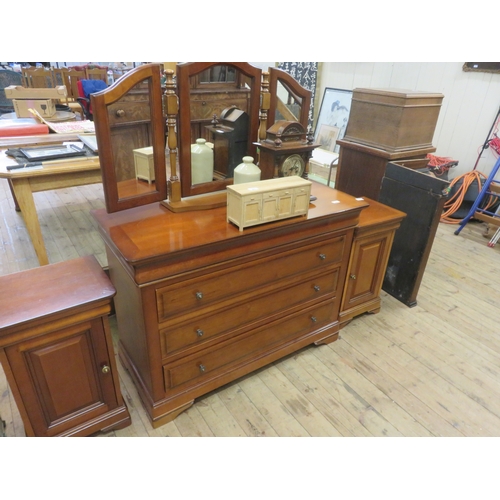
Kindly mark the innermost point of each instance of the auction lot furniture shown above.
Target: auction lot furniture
(200, 303)
(385, 125)
(56, 349)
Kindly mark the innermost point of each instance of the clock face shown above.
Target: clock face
(293, 165)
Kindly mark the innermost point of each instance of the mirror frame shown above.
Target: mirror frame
(184, 72)
(100, 102)
(275, 76)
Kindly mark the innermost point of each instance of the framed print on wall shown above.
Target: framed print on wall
(327, 137)
(334, 113)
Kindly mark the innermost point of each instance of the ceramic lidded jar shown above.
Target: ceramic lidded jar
(246, 171)
(202, 162)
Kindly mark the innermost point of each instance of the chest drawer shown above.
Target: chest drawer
(195, 294)
(204, 327)
(204, 107)
(127, 112)
(208, 364)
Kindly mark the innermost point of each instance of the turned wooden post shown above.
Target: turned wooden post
(171, 106)
(265, 103)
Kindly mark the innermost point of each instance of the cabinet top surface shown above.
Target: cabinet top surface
(269, 185)
(48, 290)
(398, 93)
(151, 231)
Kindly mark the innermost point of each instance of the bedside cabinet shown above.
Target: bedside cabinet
(56, 349)
(371, 247)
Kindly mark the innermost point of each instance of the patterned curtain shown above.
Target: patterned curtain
(306, 74)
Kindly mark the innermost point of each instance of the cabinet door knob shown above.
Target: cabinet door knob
(202, 368)
(316, 288)
(199, 295)
(199, 332)
(322, 256)
(314, 319)
(120, 113)
(105, 369)
(352, 276)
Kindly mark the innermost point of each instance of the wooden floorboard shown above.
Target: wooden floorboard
(430, 370)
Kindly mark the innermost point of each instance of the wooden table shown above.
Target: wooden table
(54, 175)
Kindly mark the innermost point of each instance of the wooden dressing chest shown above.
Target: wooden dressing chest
(200, 303)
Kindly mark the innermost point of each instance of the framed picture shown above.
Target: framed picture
(334, 113)
(327, 137)
(51, 152)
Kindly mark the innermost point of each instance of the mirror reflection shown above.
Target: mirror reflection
(131, 142)
(288, 104)
(219, 107)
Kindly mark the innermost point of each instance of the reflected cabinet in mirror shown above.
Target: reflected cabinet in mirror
(130, 131)
(218, 117)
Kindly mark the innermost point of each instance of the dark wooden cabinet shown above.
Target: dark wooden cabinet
(57, 352)
(422, 198)
(213, 91)
(385, 125)
(370, 251)
(361, 167)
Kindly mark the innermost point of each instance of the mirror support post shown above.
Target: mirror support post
(174, 202)
(171, 105)
(265, 103)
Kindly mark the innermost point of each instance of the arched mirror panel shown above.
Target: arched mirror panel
(289, 100)
(218, 109)
(130, 133)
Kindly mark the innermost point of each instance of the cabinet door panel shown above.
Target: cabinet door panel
(60, 379)
(251, 211)
(364, 276)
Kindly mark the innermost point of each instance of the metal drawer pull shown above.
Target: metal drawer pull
(322, 256)
(202, 368)
(120, 113)
(199, 332)
(199, 295)
(105, 369)
(314, 319)
(316, 288)
(352, 276)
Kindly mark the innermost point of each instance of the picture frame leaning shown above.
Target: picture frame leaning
(333, 118)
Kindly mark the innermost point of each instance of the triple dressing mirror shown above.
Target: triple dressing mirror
(220, 103)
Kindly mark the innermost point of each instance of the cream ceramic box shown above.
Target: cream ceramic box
(254, 203)
(144, 164)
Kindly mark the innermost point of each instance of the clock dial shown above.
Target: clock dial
(293, 165)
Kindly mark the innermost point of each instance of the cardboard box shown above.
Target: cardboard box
(45, 107)
(393, 120)
(18, 92)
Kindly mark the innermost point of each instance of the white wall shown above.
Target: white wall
(470, 105)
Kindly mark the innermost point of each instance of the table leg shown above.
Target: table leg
(16, 204)
(24, 196)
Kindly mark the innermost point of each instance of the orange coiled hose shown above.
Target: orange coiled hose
(453, 203)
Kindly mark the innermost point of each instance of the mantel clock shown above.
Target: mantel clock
(286, 150)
